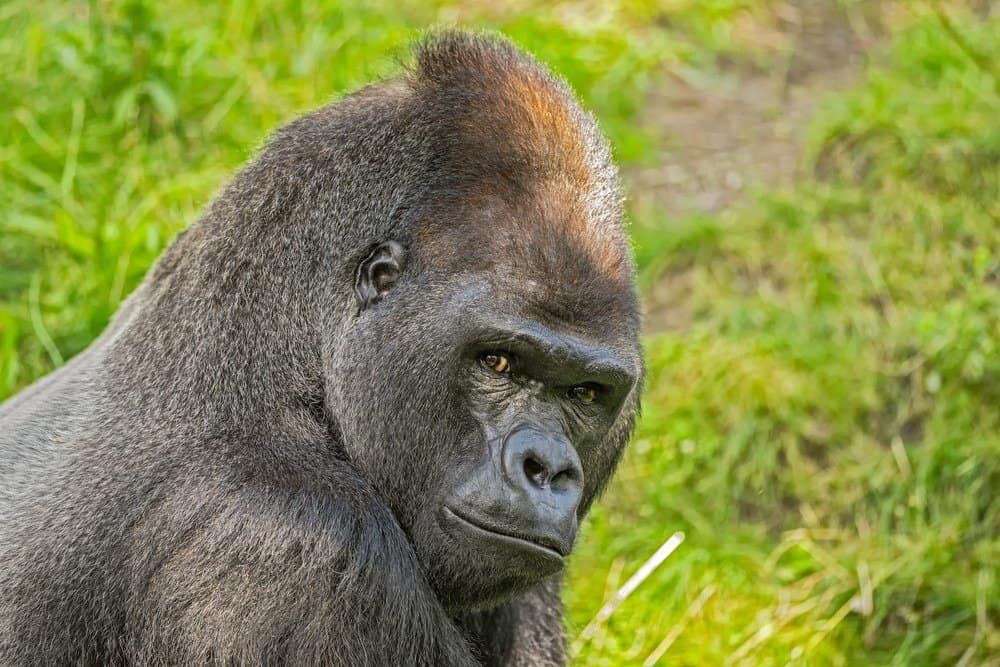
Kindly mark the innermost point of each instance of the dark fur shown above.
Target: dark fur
(236, 470)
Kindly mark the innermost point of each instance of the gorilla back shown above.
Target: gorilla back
(354, 414)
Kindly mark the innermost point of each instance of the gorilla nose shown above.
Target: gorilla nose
(544, 472)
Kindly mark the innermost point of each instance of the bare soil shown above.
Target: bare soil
(742, 126)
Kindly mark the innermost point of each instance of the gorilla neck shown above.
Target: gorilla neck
(249, 329)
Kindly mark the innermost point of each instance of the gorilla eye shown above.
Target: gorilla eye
(584, 393)
(496, 362)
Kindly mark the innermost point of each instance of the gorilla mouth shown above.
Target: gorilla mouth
(544, 546)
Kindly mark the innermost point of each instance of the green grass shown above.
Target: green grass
(826, 430)
(829, 424)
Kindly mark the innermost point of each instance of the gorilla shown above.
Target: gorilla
(355, 413)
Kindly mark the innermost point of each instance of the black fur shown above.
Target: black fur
(239, 470)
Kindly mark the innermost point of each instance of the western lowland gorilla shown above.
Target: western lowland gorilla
(354, 414)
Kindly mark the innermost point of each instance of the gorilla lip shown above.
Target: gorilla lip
(547, 548)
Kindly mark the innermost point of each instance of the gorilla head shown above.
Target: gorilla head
(492, 350)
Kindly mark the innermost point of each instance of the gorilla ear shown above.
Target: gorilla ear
(378, 272)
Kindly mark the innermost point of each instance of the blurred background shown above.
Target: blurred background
(814, 198)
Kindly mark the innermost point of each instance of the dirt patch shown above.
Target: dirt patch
(745, 125)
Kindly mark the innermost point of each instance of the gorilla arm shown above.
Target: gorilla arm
(264, 575)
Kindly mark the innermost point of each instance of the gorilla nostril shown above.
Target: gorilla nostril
(564, 479)
(535, 471)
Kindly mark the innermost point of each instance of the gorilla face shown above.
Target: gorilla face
(483, 423)
(543, 400)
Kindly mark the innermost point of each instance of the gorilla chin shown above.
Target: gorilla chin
(504, 565)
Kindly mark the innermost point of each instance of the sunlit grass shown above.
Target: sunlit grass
(827, 431)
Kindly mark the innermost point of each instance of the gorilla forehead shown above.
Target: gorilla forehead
(536, 255)
(517, 165)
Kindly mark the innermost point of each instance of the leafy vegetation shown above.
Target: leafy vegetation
(825, 428)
